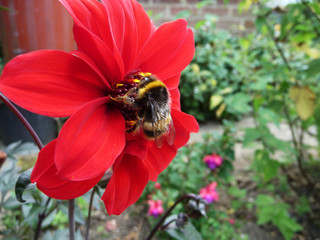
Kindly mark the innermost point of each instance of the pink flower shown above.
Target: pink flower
(111, 225)
(157, 185)
(231, 221)
(155, 208)
(213, 161)
(209, 193)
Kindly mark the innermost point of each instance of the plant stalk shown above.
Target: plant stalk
(287, 114)
(37, 140)
(72, 225)
(89, 215)
(23, 120)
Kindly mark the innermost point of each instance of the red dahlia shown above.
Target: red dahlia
(117, 46)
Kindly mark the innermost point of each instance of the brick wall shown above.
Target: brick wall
(228, 16)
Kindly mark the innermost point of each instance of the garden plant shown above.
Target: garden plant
(123, 132)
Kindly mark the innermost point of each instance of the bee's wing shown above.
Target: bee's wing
(171, 134)
(156, 116)
(159, 114)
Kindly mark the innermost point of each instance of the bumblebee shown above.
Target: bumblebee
(150, 102)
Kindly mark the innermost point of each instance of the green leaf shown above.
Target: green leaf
(237, 192)
(239, 103)
(265, 215)
(24, 184)
(317, 118)
(187, 232)
(266, 115)
(250, 135)
(270, 170)
(302, 205)
(264, 165)
(245, 43)
(287, 225)
(78, 216)
(203, 3)
(183, 14)
(313, 68)
(264, 200)
(260, 24)
(215, 100)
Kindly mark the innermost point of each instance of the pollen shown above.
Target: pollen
(123, 95)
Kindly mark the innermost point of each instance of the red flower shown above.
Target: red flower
(115, 39)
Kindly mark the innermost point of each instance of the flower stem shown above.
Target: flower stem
(37, 140)
(22, 119)
(72, 226)
(89, 214)
(154, 230)
(41, 217)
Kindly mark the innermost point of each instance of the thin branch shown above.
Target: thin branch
(37, 140)
(89, 214)
(276, 43)
(313, 14)
(72, 226)
(23, 120)
(41, 217)
(285, 106)
(297, 146)
(305, 4)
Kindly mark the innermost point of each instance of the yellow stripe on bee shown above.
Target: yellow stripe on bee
(145, 74)
(149, 86)
(161, 125)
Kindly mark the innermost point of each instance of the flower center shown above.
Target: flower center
(124, 94)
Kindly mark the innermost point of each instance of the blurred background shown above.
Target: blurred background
(253, 86)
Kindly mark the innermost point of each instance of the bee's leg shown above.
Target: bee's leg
(118, 98)
(129, 97)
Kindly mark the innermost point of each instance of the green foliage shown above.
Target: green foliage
(268, 210)
(19, 220)
(213, 76)
(281, 59)
(188, 174)
(272, 74)
(185, 232)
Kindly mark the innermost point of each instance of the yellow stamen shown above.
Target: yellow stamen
(119, 85)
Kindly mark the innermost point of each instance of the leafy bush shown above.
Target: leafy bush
(213, 78)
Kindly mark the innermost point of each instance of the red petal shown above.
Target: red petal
(137, 147)
(169, 50)
(93, 36)
(91, 63)
(145, 26)
(183, 124)
(108, 61)
(130, 28)
(175, 98)
(159, 158)
(126, 184)
(90, 141)
(92, 16)
(45, 175)
(51, 82)
(172, 82)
